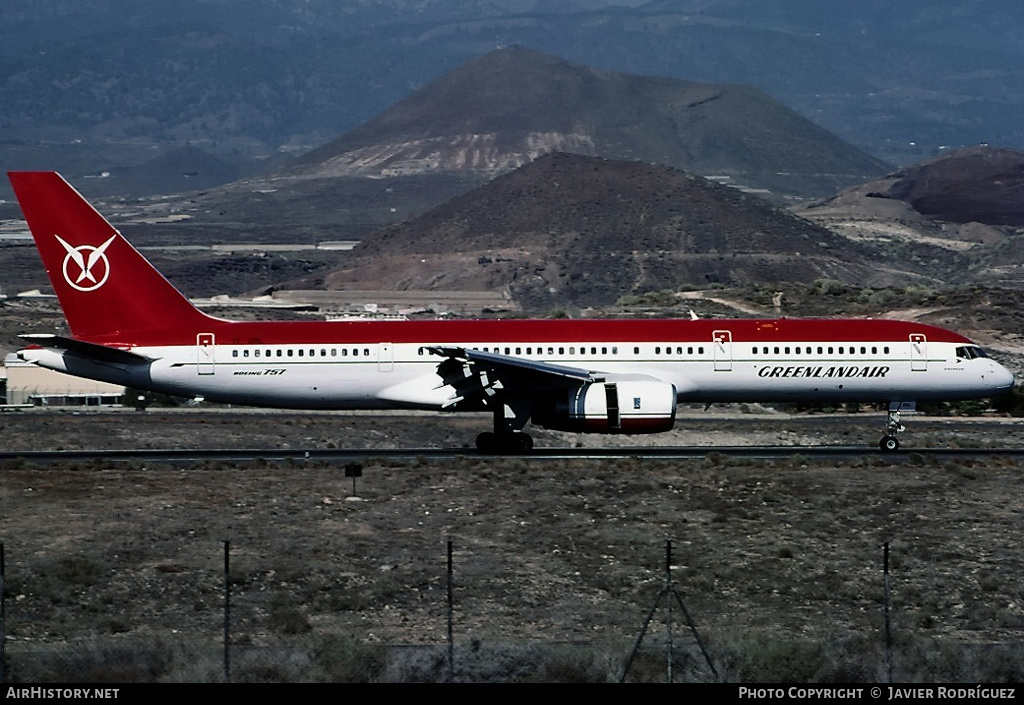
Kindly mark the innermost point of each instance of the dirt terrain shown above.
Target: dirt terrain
(114, 571)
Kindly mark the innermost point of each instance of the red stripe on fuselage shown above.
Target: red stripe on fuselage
(541, 331)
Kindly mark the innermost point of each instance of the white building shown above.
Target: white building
(31, 384)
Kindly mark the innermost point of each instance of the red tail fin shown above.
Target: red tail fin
(108, 291)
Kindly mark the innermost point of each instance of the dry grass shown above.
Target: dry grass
(114, 571)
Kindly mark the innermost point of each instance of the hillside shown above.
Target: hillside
(582, 231)
(496, 113)
(979, 184)
(251, 77)
(506, 108)
(968, 201)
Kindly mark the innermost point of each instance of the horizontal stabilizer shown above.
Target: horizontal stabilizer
(92, 351)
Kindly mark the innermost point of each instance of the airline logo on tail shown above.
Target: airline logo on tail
(87, 260)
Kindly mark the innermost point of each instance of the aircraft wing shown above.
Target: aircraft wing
(91, 351)
(478, 377)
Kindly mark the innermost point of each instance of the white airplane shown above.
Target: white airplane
(130, 326)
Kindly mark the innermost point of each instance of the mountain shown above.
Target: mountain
(968, 201)
(980, 184)
(501, 111)
(93, 83)
(574, 230)
(506, 108)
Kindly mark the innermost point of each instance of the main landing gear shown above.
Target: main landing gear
(507, 438)
(507, 443)
(889, 442)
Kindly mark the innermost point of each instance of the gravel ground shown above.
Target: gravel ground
(114, 570)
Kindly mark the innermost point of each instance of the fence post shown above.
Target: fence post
(451, 641)
(227, 612)
(3, 616)
(888, 626)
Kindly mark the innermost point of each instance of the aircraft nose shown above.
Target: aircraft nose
(1002, 378)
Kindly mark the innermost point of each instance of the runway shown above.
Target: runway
(319, 455)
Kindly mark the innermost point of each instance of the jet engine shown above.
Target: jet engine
(627, 406)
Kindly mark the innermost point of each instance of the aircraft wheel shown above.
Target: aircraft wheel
(523, 442)
(889, 444)
(504, 443)
(487, 442)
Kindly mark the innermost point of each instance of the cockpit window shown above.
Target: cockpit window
(969, 352)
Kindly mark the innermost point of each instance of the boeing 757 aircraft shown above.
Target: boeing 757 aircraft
(129, 325)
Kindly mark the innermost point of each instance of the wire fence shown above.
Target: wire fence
(242, 631)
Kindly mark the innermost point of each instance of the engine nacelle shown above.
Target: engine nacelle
(628, 406)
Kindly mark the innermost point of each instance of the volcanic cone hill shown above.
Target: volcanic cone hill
(506, 108)
(969, 202)
(503, 110)
(978, 184)
(582, 231)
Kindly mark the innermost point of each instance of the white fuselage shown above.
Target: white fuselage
(404, 375)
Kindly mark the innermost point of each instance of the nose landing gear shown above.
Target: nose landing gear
(889, 442)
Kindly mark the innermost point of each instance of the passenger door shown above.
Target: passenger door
(722, 344)
(205, 354)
